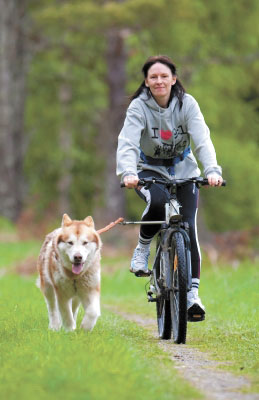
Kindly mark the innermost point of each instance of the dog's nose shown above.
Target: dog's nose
(78, 257)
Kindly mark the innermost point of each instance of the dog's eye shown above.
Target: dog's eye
(85, 243)
(71, 243)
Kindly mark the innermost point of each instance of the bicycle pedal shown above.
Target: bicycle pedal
(196, 317)
(196, 314)
(142, 274)
(151, 299)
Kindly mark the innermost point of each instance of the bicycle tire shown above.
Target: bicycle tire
(164, 323)
(178, 294)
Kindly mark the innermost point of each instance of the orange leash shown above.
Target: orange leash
(111, 225)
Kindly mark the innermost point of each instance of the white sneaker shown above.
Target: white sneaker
(196, 310)
(139, 261)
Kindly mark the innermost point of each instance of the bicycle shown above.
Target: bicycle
(171, 277)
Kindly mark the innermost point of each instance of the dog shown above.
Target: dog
(69, 274)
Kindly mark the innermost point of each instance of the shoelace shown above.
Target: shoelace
(140, 254)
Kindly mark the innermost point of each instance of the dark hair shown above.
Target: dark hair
(176, 90)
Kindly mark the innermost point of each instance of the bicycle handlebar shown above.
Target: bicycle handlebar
(199, 181)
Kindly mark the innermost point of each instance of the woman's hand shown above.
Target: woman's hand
(131, 181)
(215, 179)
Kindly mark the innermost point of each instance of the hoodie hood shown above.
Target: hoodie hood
(149, 100)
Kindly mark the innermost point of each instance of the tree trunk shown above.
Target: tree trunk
(116, 79)
(65, 145)
(12, 99)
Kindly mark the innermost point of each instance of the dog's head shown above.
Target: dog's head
(77, 244)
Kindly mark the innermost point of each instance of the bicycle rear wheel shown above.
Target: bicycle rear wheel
(178, 294)
(164, 323)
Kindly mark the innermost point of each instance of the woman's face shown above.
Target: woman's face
(160, 80)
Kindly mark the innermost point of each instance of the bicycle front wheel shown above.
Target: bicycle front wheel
(178, 294)
(164, 323)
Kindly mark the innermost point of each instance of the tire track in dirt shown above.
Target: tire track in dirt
(196, 366)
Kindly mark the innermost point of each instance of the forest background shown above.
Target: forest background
(67, 69)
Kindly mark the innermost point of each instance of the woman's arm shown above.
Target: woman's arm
(128, 151)
(200, 135)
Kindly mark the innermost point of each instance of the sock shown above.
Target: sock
(144, 243)
(195, 285)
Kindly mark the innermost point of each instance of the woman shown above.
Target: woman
(155, 141)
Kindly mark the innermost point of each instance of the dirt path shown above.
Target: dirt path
(196, 366)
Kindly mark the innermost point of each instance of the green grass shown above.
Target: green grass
(231, 297)
(231, 329)
(6, 226)
(12, 252)
(117, 360)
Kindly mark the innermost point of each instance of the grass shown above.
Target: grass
(12, 252)
(230, 332)
(116, 360)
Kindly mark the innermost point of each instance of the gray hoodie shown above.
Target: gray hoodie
(165, 133)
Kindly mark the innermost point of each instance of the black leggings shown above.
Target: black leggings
(156, 197)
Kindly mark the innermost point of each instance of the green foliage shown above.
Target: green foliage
(96, 17)
(236, 204)
(214, 45)
(45, 117)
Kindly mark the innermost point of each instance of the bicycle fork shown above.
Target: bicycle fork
(165, 268)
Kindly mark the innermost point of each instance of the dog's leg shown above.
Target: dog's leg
(51, 302)
(75, 307)
(65, 309)
(91, 305)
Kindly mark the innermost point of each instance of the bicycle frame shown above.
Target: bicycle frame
(172, 223)
(173, 218)
(162, 256)
(171, 275)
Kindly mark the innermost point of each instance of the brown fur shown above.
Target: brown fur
(62, 278)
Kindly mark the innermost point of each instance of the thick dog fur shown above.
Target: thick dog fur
(69, 273)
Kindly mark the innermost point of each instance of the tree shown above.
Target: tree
(215, 48)
(109, 23)
(12, 100)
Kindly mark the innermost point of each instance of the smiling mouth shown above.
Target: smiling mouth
(77, 268)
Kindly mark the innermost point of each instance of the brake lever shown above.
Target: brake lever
(144, 184)
(148, 185)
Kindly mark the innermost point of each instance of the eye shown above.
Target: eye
(70, 243)
(85, 243)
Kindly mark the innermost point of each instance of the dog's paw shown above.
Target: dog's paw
(88, 325)
(55, 327)
(70, 328)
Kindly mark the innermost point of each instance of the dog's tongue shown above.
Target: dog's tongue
(77, 268)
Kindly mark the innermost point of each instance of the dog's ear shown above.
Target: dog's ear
(98, 241)
(66, 220)
(89, 221)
